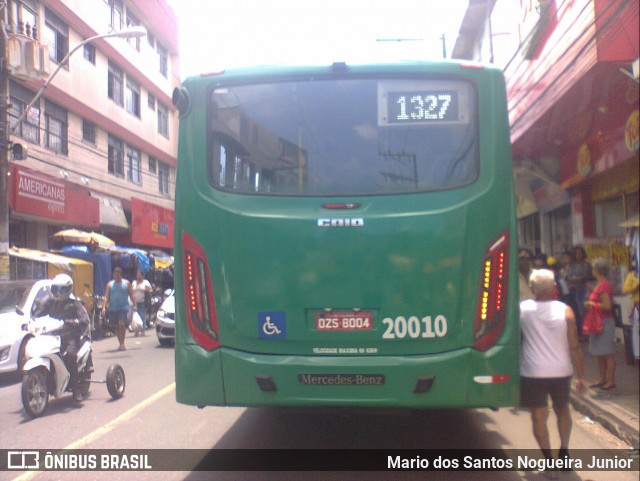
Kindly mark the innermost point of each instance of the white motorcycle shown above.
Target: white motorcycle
(45, 373)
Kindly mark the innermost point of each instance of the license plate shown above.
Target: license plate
(344, 321)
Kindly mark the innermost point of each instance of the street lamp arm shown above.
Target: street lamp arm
(127, 33)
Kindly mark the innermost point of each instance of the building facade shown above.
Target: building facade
(102, 139)
(572, 81)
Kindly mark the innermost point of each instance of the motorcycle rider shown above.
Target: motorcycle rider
(61, 305)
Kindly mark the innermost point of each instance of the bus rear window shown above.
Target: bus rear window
(343, 137)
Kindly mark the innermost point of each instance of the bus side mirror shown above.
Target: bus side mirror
(180, 99)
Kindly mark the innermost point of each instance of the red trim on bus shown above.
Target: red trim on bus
(341, 206)
(492, 299)
(475, 66)
(198, 292)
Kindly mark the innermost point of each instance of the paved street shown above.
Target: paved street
(149, 418)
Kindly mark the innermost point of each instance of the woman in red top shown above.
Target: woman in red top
(603, 345)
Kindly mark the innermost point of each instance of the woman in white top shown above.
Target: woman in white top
(140, 287)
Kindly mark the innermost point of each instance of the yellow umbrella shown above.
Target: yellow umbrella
(76, 236)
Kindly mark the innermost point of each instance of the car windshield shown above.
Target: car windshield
(12, 295)
(357, 136)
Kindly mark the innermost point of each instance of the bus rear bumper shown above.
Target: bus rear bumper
(462, 378)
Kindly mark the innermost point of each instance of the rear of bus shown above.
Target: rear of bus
(345, 236)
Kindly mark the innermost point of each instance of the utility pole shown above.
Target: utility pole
(4, 150)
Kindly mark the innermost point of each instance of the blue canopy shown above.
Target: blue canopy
(101, 266)
(143, 258)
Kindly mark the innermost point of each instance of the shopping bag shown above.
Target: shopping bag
(593, 322)
(136, 322)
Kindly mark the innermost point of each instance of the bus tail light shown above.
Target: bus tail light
(199, 302)
(492, 299)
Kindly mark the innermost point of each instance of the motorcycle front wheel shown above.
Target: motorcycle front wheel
(84, 378)
(35, 393)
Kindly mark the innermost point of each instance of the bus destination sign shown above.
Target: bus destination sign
(423, 107)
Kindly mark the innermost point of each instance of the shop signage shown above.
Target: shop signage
(43, 196)
(151, 225)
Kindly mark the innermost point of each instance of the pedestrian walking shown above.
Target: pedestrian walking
(116, 305)
(549, 357)
(579, 273)
(524, 270)
(141, 287)
(602, 345)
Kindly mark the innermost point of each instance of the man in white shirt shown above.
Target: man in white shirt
(550, 352)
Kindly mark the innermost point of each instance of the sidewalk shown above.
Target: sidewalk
(617, 410)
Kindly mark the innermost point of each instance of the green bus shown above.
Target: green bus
(345, 236)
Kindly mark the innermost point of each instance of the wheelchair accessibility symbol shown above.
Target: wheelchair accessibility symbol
(270, 329)
(272, 325)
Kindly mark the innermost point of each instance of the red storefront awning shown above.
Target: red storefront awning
(35, 194)
(573, 70)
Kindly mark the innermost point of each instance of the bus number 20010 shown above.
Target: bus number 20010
(400, 327)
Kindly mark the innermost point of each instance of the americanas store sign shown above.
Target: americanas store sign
(39, 195)
(36, 193)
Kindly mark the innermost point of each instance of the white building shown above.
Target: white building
(102, 139)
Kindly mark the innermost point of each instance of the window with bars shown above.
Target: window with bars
(19, 98)
(116, 157)
(55, 128)
(163, 59)
(56, 35)
(116, 84)
(133, 165)
(116, 13)
(164, 173)
(90, 53)
(163, 119)
(88, 131)
(133, 22)
(132, 97)
(22, 17)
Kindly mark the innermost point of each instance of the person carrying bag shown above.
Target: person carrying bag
(593, 322)
(602, 343)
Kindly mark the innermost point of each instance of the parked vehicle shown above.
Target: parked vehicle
(17, 301)
(156, 299)
(45, 373)
(33, 265)
(99, 326)
(165, 320)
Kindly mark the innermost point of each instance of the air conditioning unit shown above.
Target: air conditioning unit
(45, 61)
(14, 53)
(27, 59)
(32, 57)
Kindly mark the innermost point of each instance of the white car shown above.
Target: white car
(17, 301)
(166, 320)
